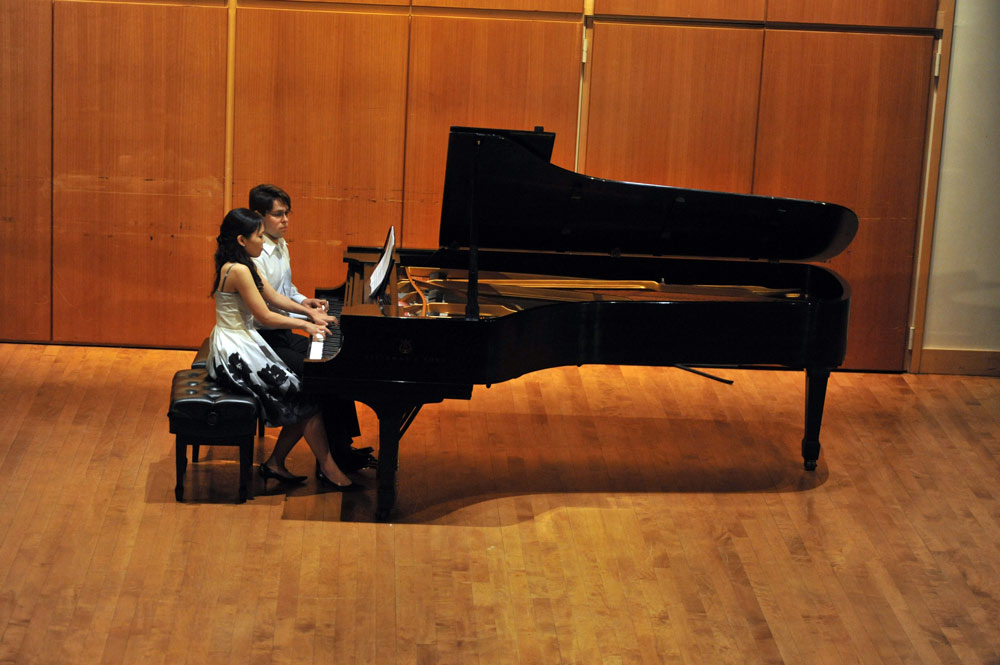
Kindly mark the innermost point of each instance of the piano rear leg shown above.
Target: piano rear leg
(816, 380)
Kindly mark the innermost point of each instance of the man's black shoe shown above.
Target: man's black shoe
(354, 459)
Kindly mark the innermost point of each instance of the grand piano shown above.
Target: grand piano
(542, 267)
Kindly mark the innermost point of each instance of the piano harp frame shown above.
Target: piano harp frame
(576, 289)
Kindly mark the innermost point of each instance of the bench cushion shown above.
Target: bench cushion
(200, 407)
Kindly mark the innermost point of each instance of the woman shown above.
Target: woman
(240, 358)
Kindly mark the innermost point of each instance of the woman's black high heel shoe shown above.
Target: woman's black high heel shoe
(267, 472)
(326, 482)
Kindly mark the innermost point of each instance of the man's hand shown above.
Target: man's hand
(315, 303)
(322, 318)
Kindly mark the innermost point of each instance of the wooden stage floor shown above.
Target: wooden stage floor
(596, 515)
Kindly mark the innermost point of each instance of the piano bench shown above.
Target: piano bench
(202, 412)
(201, 362)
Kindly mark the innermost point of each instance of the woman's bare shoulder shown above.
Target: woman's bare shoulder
(233, 274)
(235, 269)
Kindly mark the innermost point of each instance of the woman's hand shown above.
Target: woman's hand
(313, 329)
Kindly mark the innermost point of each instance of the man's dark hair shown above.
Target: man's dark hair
(262, 198)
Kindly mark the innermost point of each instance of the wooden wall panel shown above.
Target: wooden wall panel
(739, 10)
(320, 112)
(25, 169)
(843, 119)
(521, 5)
(510, 74)
(674, 105)
(899, 13)
(138, 161)
(347, 3)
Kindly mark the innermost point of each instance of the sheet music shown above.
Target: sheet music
(379, 273)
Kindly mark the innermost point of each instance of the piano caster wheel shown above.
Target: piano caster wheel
(810, 465)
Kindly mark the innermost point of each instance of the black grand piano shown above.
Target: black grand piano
(542, 267)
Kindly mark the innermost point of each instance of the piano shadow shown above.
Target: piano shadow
(466, 468)
(496, 468)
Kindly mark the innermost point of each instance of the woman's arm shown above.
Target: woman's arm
(243, 283)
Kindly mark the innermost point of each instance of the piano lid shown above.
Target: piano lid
(503, 181)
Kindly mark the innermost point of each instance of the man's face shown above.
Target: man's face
(276, 219)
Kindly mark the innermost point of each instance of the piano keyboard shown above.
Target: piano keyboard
(329, 346)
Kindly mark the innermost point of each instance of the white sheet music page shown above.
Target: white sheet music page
(378, 274)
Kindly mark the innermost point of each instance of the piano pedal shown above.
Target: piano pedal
(357, 460)
(369, 462)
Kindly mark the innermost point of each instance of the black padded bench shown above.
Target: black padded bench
(203, 413)
(201, 360)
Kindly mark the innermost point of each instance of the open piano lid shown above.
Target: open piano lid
(503, 181)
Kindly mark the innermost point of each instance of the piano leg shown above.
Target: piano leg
(393, 420)
(816, 380)
(390, 418)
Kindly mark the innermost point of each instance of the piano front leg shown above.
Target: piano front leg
(394, 417)
(816, 380)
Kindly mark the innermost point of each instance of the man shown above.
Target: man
(340, 416)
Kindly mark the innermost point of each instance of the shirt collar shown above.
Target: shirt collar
(272, 246)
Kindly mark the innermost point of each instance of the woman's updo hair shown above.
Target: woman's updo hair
(237, 222)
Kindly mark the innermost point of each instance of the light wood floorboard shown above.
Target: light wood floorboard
(603, 514)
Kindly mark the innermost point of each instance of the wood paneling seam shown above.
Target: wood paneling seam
(227, 185)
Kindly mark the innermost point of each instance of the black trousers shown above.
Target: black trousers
(339, 415)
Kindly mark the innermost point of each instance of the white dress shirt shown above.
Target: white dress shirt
(275, 266)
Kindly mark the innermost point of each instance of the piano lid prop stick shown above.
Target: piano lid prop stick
(472, 289)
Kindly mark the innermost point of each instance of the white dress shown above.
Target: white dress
(239, 357)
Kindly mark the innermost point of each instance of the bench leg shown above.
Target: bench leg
(246, 470)
(181, 460)
(246, 447)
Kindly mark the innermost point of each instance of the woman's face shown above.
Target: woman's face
(254, 244)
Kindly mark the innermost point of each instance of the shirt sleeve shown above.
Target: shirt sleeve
(293, 292)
